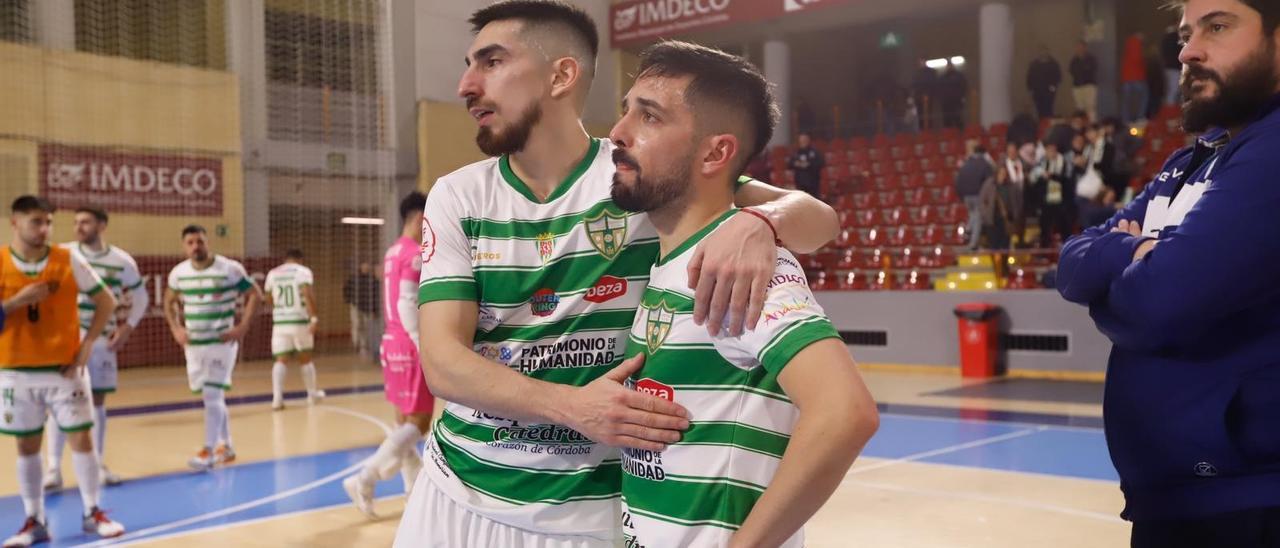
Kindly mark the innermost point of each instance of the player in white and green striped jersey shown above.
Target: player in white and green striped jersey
(290, 291)
(530, 280)
(120, 274)
(200, 306)
(779, 413)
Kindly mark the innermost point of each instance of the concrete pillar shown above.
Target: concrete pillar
(54, 23)
(995, 24)
(246, 57)
(777, 69)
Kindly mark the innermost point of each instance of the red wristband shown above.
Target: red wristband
(767, 222)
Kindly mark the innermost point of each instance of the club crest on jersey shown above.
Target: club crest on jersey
(546, 246)
(657, 325)
(607, 232)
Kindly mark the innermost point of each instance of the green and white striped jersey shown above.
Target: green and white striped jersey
(557, 283)
(700, 490)
(209, 297)
(284, 283)
(118, 271)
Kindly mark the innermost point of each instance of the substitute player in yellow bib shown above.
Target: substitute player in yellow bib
(778, 413)
(42, 359)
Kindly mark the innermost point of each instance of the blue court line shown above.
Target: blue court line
(969, 413)
(155, 501)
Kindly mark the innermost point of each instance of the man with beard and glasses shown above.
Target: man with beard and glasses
(688, 125)
(531, 276)
(1184, 283)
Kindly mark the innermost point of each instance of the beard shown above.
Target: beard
(512, 140)
(648, 194)
(1241, 94)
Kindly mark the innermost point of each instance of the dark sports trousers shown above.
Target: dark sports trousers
(1258, 528)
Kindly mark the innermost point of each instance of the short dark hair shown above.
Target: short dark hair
(28, 203)
(415, 202)
(1269, 9)
(97, 212)
(193, 229)
(293, 253)
(718, 80)
(553, 12)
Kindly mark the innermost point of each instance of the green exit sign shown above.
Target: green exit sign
(891, 40)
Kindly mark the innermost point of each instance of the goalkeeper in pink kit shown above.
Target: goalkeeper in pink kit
(405, 386)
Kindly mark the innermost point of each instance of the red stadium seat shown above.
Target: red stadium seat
(893, 216)
(932, 235)
(853, 281)
(848, 259)
(1021, 279)
(905, 259)
(870, 237)
(938, 257)
(914, 197)
(901, 236)
(921, 215)
(866, 200)
(944, 195)
(883, 281)
(957, 234)
(866, 218)
(891, 198)
(820, 282)
(917, 281)
(951, 213)
(845, 239)
(873, 258)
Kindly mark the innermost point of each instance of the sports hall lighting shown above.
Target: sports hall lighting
(362, 221)
(936, 63)
(957, 60)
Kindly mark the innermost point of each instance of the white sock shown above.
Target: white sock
(57, 441)
(277, 381)
(31, 485)
(215, 414)
(88, 470)
(309, 377)
(100, 430)
(386, 461)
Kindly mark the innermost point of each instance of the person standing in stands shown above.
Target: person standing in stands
(1170, 49)
(1043, 78)
(806, 162)
(953, 90)
(1084, 79)
(924, 88)
(1133, 75)
(1055, 186)
(1183, 283)
(973, 173)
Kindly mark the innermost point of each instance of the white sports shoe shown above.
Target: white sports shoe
(32, 532)
(361, 494)
(315, 398)
(53, 479)
(98, 523)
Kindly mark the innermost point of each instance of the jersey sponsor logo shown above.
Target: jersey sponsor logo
(788, 262)
(643, 464)
(428, 248)
(546, 246)
(567, 354)
(785, 309)
(487, 320)
(657, 325)
(607, 232)
(544, 302)
(785, 279)
(540, 434)
(607, 288)
(499, 354)
(655, 388)
(480, 256)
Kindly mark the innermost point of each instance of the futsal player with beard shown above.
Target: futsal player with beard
(1184, 283)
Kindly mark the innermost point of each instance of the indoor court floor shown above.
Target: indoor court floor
(1005, 463)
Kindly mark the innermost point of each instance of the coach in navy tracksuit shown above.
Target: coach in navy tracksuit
(1185, 281)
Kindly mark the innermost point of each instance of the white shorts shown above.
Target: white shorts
(103, 367)
(211, 365)
(433, 520)
(28, 397)
(291, 338)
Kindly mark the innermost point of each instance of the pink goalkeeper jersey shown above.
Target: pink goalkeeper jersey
(401, 267)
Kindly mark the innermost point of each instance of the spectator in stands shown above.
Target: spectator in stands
(1043, 78)
(806, 121)
(1018, 170)
(1084, 78)
(1061, 134)
(1022, 129)
(1155, 82)
(1133, 77)
(1055, 183)
(1118, 159)
(911, 117)
(1170, 49)
(1001, 210)
(363, 294)
(806, 162)
(924, 89)
(953, 92)
(1183, 282)
(977, 168)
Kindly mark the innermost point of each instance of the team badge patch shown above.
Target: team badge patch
(607, 232)
(657, 325)
(546, 246)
